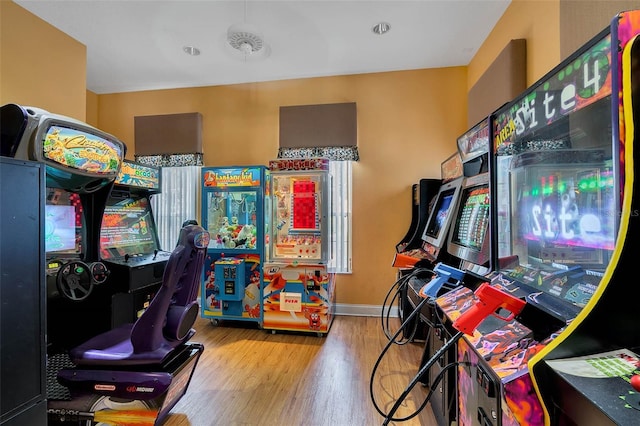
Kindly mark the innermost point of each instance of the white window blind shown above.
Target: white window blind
(176, 202)
(340, 216)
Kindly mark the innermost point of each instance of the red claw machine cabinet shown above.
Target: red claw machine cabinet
(233, 200)
(299, 290)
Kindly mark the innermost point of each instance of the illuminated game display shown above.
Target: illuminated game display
(129, 243)
(127, 229)
(473, 217)
(469, 238)
(298, 287)
(435, 233)
(60, 228)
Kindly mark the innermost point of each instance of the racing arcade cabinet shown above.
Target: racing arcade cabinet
(129, 244)
(81, 163)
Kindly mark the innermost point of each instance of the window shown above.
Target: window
(176, 202)
(340, 216)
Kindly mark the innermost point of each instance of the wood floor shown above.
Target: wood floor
(248, 376)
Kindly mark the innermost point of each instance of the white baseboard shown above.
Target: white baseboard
(363, 310)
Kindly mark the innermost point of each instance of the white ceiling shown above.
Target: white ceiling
(138, 44)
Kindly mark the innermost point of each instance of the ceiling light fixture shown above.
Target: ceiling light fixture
(381, 28)
(191, 50)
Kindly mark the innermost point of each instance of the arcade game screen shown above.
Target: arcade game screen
(127, 229)
(557, 204)
(439, 217)
(567, 209)
(63, 222)
(472, 219)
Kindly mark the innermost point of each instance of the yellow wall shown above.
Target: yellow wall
(407, 121)
(536, 21)
(39, 65)
(92, 108)
(407, 125)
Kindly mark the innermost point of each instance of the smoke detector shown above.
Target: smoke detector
(244, 41)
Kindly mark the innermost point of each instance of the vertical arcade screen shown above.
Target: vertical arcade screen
(127, 229)
(472, 219)
(63, 222)
(304, 206)
(439, 219)
(296, 216)
(437, 227)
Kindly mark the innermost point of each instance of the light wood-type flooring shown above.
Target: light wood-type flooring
(248, 376)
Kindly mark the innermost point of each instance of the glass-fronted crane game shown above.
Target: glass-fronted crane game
(298, 287)
(233, 200)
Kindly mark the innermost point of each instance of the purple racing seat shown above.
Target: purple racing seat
(168, 320)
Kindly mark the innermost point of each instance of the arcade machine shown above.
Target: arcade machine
(81, 164)
(563, 158)
(233, 201)
(455, 234)
(432, 253)
(468, 242)
(422, 194)
(433, 234)
(589, 374)
(129, 245)
(299, 290)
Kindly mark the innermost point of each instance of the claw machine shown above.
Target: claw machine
(233, 200)
(299, 290)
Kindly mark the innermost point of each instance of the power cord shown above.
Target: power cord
(389, 301)
(439, 353)
(391, 341)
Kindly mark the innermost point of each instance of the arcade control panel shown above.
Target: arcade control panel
(230, 278)
(72, 278)
(130, 273)
(601, 388)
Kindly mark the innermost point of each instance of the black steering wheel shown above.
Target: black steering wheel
(74, 280)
